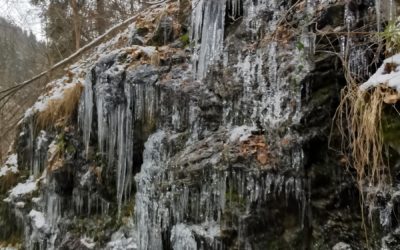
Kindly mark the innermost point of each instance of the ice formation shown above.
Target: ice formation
(11, 165)
(207, 33)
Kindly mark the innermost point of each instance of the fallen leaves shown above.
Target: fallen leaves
(256, 146)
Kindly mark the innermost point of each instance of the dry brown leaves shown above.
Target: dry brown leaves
(256, 146)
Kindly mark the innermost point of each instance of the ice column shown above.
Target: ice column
(207, 33)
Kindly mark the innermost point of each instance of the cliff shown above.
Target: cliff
(203, 125)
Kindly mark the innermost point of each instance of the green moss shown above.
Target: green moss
(94, 226)
(61, 142)
(128, 210)
(185, 39)
(300, 45)
(391, 35)
(391, 129)
(70, 149)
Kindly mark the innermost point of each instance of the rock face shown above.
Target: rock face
(201, 131)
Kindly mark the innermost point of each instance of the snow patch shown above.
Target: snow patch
(382, 76)
(182, 235)
(121, 242)
(88, 242)
(241, 133)
(23, 188)
(38, 218)
(20, 204)
(11, 165)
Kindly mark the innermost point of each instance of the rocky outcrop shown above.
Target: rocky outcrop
(216, 139)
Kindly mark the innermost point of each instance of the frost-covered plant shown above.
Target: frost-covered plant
(391, 35)
(60, 111)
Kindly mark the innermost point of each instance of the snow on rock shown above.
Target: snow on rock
(183, 238)
(9, 248)
(182, 235)
(38, 219)
(241, 133)
(88, 242)
(23, 188)
(11, 165)
(124, 238)
(20, 204)
(388, 74)
(57, 92)
(121, 242)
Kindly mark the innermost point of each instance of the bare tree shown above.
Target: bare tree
(76, 20)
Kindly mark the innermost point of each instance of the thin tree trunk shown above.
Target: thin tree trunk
(76, 20)
(132, 6)
(100, 17)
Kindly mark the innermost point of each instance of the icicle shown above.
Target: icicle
(378, 15)
(234, 7)
(148, 209)
(40, 153)
(125, 147)
(207, 33)
(86, 112)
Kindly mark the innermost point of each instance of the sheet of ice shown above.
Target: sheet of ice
(381, 76)
(11, 165)
(23, 188)
(38, 219)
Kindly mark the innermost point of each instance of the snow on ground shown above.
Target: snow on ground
(388, 74)
(11, 165)
(23, 188)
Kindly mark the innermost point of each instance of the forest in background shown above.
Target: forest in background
(68, 26)
(21, 57)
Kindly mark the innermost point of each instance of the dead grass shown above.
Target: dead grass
(7, 181)
(358, 119)
(359, 122)
(60, 111)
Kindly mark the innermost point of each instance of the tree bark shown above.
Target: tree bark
(76, 20)
(100, 17)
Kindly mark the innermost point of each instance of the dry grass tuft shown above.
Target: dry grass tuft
(358, 119)
(60, 111)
